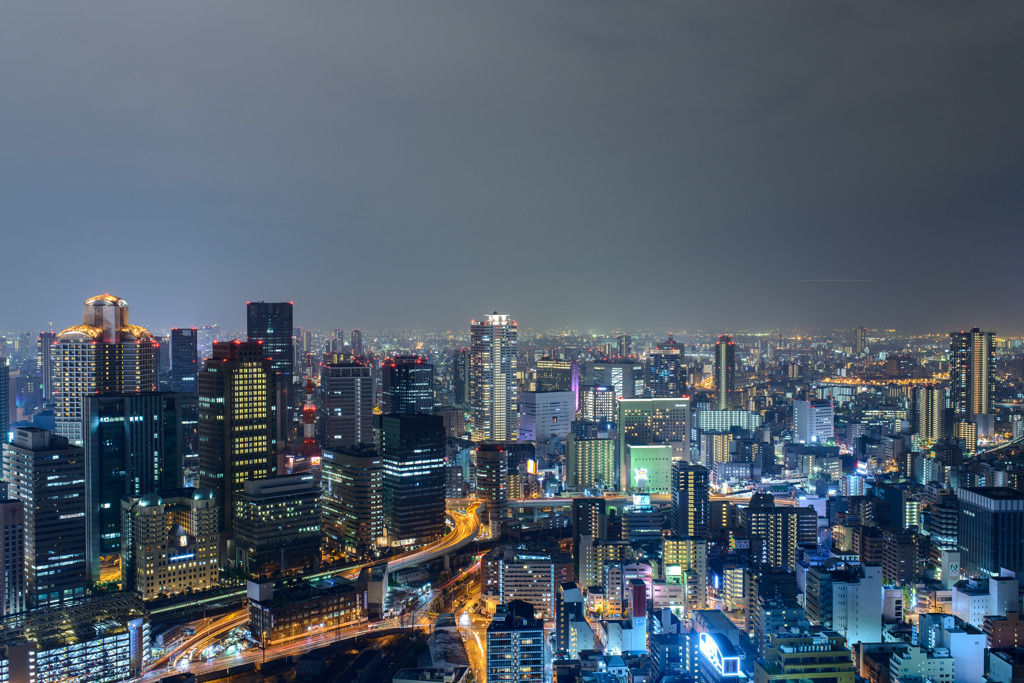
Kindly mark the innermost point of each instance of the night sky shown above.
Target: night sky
(590, 164)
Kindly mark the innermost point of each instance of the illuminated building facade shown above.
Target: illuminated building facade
(412, 449)
(930, 412)
(47, 474)
(652, 421)
(625, 375)
(557, 375)
(971, 373)
(407, 383)
(989, 530)
(814, 421)
(819, 658)
(105, 354)
(725, 372)
(170, 542)
(47, 362)
(589, 463)
(237, 430)
(690, 500)
(347, 394)
(271, 324)
(302, 611)
(515, 645)
(184, 359)
(133, 445)
(352, 503)
(685, 562)
(493, 386)
(597, 403)
(356, 337)
(13, 591)
(544, 415)
(277, 526)
(666, 370)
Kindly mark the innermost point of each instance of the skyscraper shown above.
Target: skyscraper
(347, 395)
(725, 371)
(412, 449)
(691, 509)
(515, 645)
(357, 343)
(557, 375)
(858, 343)
(47, 361)
(666, 370)
(597, 404)
(645, 421)
(990, 529)
(813, 421)
(105, 354)
(929, 412)
(460, 377)
(5, 399)
(408, 385)
(624, 345)
(271, 324)
(625, 375)
(184, 359)
(971, 373)
(352, 503)
(47, 475)
(277, 526)
(493, 384)
(492, 481)
(237, 434)
(13, 593)
(133, 446)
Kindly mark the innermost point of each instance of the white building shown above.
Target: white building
(544, 415)
(974, 599)
(915, 663)
(964, 643)
(813, 421)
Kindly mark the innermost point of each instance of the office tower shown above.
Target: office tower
(777, 533)
(690, 500)
(237, 430)
(493, 385)
(47, 362)
(572, 632)
(859, 339)
(47, 475)
(277, 526)
(13, 590)
(530, 574)
(558, 375)
(347, 396)
(271, 324)
(105, 354)
(544, 415)
(492, 470)
(813, 421)
(597, 404)
(589, 463)
(929, 412)
(133, 446)
(666, 370)
(407, 383)
(357, 343)
(352, 503)
(412, 449)
(5, 400)
(624, 345)
(337, 342)
(515, 645)
(169, 545)
(971, 374)
(625, 375)
(652, 421)
(460, 376)
(990, 529)
(819, 658)
(725, 372)
(184, 359)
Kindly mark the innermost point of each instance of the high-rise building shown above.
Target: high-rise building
(572, 632)
(237, 422)
(846, 599)
(184, 359)
(558, 375)
(930, 412)
(777, 533)
(859, 340)
(690, 500)
(494, 387)
(990, 529)
(407, 384)
(544, 415)
(5, 399)
(666, 370)
(813, 421)
(492, 470)
(277, 526)
(170, 542)
(347, 394)
(624, 345)
(589, 463)
(47, 475)
(625, 375)
(515, 645)
(597, 403)
(460, 377)
(13, 591)
(725, 372)
(47, 362)
(105, 354)
(820, 658)
(352, 503)
(971, 373)
(133, 446)
(652, 421)
(412, 449)
(357, 343)
(271, 324)
(685, 562)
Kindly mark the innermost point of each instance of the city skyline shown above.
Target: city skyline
(756, 163)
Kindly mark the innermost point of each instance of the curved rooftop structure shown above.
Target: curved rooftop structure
(104, 319)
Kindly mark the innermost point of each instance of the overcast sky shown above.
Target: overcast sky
(591, 164)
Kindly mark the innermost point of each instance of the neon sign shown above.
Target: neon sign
(725, 665)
